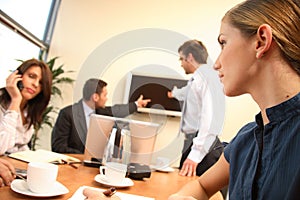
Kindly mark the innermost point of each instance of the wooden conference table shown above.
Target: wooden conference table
(159, 186)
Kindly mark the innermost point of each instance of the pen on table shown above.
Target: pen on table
(109, 192)
(70, 163)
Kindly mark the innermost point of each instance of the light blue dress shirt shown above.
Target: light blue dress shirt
(87, 113)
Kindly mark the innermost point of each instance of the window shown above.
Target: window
(30, 17)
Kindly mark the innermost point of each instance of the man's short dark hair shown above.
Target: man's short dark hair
(92, 86)
(196, 48)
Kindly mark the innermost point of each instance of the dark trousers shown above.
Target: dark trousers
(211, 158)
(213, 155)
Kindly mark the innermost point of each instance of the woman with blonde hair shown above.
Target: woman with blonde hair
(260, 56)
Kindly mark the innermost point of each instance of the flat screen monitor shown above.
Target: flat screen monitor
(120, 140)
(154, 88)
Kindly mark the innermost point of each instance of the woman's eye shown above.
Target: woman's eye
(32, 76)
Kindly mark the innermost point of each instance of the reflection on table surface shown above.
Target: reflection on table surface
(159, 186)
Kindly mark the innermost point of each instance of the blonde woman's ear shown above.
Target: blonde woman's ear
(264, 40)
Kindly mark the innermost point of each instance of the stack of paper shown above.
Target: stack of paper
(42, 155)
(123, 196)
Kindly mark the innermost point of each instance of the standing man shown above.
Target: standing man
(202, 112)
(70, 129)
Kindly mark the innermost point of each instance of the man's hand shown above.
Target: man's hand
(141, 103)
(188, 168)
(170, 95)
(13, 91)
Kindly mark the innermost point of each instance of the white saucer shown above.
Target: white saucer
(20, 186)
(127, 182)
(162, 169)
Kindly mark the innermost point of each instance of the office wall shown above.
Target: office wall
(108, 38)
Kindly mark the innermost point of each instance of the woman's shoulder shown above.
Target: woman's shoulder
(244, 134)
(245, 137)
(247, 127)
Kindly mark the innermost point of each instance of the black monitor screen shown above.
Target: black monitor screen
(156, 88)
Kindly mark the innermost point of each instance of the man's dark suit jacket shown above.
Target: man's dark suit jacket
(70, 127)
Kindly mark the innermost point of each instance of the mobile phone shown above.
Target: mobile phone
(94, 162)
(20, 85)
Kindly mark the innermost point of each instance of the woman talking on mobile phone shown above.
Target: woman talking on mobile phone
(22, 103)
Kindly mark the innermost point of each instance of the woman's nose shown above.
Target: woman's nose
(216, 66)
(36, 83)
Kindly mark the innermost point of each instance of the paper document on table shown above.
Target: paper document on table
(42, 155)
(123, 196)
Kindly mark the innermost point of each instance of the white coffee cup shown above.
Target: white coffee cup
(162, 162)
(41, 177)
(113, 172)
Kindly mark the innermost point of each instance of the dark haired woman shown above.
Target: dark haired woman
(22, 103)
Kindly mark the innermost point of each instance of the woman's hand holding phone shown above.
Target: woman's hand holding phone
(13, 90)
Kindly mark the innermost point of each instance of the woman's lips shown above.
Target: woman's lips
(31, 91)
(221, 76)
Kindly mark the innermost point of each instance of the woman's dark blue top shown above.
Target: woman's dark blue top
(265, 160)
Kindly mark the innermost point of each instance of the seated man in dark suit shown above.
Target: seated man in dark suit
(70, 129)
